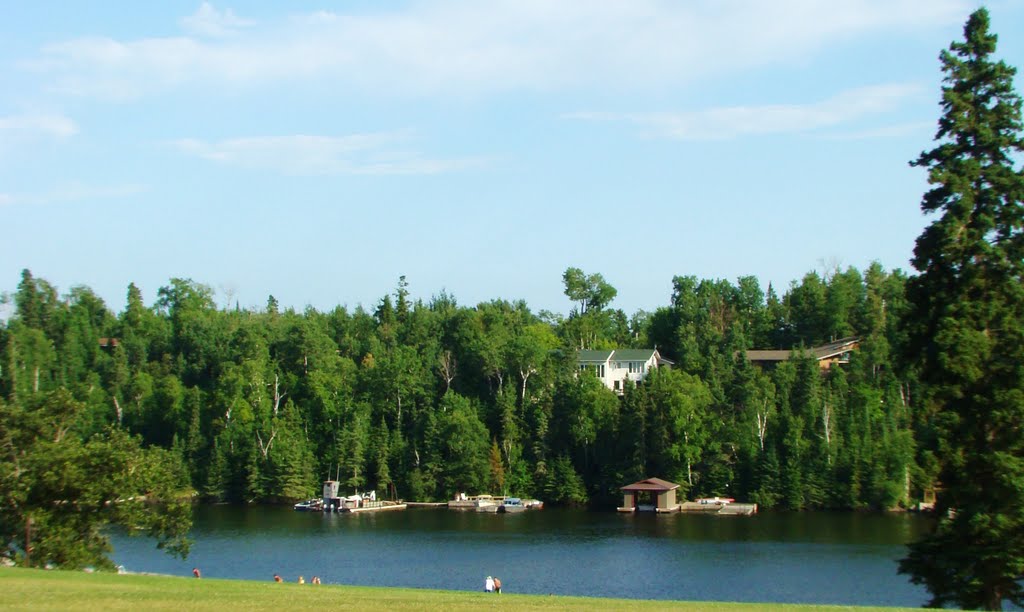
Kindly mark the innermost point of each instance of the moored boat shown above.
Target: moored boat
(511, 504)
(718, 501)
(310, 505)
(474, 502)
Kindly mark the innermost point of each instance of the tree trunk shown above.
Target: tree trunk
(265, 450)
(762, 424)
(826, 422)
(278, 396)
(524, 374)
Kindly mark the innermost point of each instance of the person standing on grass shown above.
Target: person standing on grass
(497, 585)
(195, 572)
(489, 585)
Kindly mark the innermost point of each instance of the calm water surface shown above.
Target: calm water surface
(826, 558)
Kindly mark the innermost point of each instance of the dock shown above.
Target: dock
(375, 506)
(493, 503)
(725, 509)
(333, 502)
(475, 502)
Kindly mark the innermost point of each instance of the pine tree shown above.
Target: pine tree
(966, 331)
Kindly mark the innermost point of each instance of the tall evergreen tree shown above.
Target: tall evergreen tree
(966, 331)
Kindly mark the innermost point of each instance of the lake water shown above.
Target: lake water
(826, 558)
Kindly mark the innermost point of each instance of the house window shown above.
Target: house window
(618, 385)
(600, 370)
(636, 367)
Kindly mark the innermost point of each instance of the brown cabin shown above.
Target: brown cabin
(650, 495)
(828, 355)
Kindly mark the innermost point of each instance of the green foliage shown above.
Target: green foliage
(60, 491)
(422, 400)
(965, 331)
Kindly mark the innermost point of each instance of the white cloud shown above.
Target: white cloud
(462, 46)
(304, 155)
(725, 123)
(208, 21)
(6, 199)
(887, 131)
(50, 125)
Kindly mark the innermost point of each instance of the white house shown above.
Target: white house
(613, 368)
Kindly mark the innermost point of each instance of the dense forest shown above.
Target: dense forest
(419, 400)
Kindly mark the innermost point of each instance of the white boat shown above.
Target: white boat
(717, 501)
(511, 504)
(310, 505)
(463, 501)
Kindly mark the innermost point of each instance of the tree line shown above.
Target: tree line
(422, 399)
(100, 413)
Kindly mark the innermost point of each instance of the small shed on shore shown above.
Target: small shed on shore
(651, 494)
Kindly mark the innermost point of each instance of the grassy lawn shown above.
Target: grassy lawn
(55, 590)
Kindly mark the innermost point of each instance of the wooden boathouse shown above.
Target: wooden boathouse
(650, 495)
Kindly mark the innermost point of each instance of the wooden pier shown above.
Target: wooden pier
(733, 508)
(333, 502)
(375, 506)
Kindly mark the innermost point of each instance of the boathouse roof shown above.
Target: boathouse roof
(651, 484)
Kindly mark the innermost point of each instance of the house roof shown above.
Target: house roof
(600, 356)
(633, 354)
(651, 484)
(620, 355)
(838, 347)
(824, 351)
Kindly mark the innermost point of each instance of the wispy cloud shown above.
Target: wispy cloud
(304, 155)
(49, 125)
(724, 123)
(462, 46)
(208, 21)
(71, 192)
(885, 131)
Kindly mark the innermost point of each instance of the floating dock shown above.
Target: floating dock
(724, 509)
(333, 502)
(475, 502)
(493, 503)
(375, 506)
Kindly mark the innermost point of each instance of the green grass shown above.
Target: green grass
(31, 589)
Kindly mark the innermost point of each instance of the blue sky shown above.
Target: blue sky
(317, 152)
